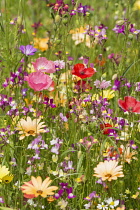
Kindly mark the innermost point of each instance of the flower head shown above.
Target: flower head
(108, 170)
(41, 43)
(36, 187)
(130, 104)
(39, 81)
(128, 155)
(112, 203)
(3, 172)
(27, 49)
(82, 72)
(44, 65)
(102, 84)
(30, 127)
(136, 5)
(102, 206)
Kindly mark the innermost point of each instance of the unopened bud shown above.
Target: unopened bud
(65, 20)
(19, 20)
(120, 22)
(57, 18)
(58, 41)
(79, 154)
(130, 36)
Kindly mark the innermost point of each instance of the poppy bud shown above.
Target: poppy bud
(65, 20)
(19, 20)
(130, 36)
(57, 18)
(58, 41)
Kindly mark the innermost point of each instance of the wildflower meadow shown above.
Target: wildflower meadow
(69, 104)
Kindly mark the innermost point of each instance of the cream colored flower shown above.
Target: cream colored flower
(127, 155)
(108, 170)
(36, 187)
(79, 36)
(30, 127)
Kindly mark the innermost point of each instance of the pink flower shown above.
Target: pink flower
(38, 81)
(102, 84)
(130, 104)
(43, 65)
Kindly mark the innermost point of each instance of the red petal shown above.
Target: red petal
(122, 104)
(90, 72)
(82, 72)
(137, 108)
(78, 67)
(28, 195)
(130, 102)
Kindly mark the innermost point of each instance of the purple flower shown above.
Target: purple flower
(59, 64)
(119, 29)
(59, 193)
(116, 85)
(49, 102)
(69, 192)
(63, 185)
(64, 118)
(65, 189)
(1, 200)
(133, 145)
(23, 91)
(27, 49)
(69, 166)
(137, 86)
(92, 195)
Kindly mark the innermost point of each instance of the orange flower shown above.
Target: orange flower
(41, 43)
(50, 199)
(36, 187)
(108, 170)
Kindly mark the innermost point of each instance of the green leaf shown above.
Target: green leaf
(129, 67)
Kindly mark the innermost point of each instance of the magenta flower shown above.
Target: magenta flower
(44, 65)
(130, 104)
(27, 50)
(38, 81)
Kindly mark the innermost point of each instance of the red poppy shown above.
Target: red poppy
(106, 127)
(82, 72)
(130, 104)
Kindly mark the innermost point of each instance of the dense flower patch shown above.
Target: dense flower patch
(69, 105)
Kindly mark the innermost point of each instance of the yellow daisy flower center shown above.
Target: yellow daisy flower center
(31, 132)
(39, 192)
(108, 175)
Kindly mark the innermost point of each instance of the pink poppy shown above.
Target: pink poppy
(38, 81)
(43, 65)
(129, 104)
